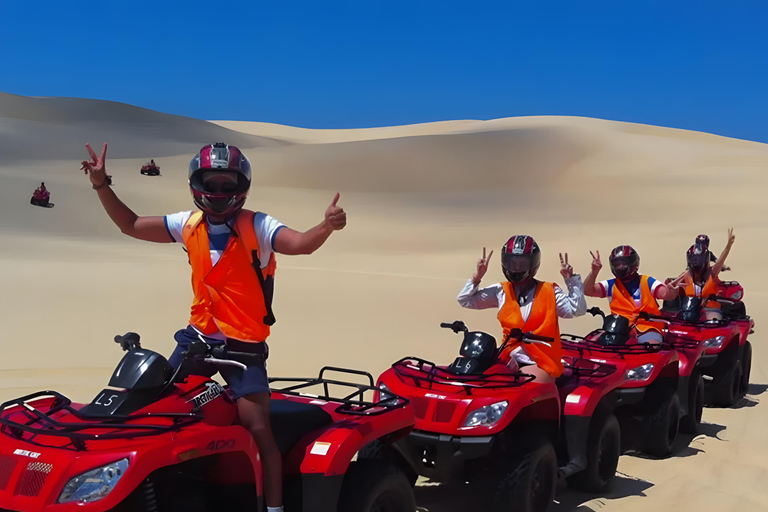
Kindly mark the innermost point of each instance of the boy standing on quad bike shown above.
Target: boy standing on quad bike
(527, 304)
(629, 292)
(231, 252)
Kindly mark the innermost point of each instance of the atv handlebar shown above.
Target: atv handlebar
(221, 355)
(457, 326)
(529, 337)
(128, 341)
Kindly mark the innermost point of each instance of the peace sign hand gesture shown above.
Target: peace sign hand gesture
(97, 166)
(596, 263)
(482, 267)
(566, 270)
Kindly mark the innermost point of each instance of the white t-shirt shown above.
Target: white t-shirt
(265, 227)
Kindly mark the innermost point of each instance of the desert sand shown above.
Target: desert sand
(422, 202)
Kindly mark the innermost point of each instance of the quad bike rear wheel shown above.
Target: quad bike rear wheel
(603, 451)
(372, 485)
(727, 387)
(661, 422)
(689, 424)
(746, 368)
(529, 485)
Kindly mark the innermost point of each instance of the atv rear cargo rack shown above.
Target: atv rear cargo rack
(582, 344)
(409, 367)
(348, 404)
(48, 426)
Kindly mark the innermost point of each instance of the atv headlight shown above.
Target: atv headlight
(639, 373)
(95, 484)
(486, 416)
(715, 342)
(737, 295)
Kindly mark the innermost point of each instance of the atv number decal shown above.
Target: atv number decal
(107, 400)
(214, 390)
(222, 444)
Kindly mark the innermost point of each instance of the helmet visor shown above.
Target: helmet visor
(621, 268)
(219, 183)
(516, 267)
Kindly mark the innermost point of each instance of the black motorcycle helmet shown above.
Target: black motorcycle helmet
(625, 263)
(520, 259)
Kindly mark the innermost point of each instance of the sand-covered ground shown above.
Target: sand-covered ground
(422, 201)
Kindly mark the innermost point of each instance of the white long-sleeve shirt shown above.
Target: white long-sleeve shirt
(568, 305)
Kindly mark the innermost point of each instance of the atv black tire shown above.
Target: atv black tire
(689, 424)
(377, 450)
(661, 422)
(725, 390)
(529, 485)
(375, 486)
(746, 369)
(603, 451)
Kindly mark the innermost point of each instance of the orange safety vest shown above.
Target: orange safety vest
(710, 288)
(542, 321)
(230, 296)
(623, 304)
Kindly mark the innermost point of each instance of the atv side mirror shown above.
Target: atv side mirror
(129, 341)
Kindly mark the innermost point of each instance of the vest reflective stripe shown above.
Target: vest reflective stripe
(623, 304)
(542, 321)
(228, 296)
(710, 288)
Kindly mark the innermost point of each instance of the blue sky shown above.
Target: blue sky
(700, 65)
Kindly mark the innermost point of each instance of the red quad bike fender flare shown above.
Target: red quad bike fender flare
(330, 450)
(584, 399)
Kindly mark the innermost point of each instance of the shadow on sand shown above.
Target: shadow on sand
(463, 498)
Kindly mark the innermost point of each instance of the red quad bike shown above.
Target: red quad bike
(479, 421)
(41, 199)
(150, 169)
(727, 362)
(155, 441)
(649, 395)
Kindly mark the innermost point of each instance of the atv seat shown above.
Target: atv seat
(733, 310)
(292, 420)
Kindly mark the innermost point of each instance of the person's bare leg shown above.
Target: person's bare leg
(541, 375)
(254, 415)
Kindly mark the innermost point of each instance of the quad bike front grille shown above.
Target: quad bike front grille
(7, 466)
(32, 479)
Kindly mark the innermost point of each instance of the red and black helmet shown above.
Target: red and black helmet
(624, 262)
(219, 179)
(703, 242)
(697, 258)
(520, 259)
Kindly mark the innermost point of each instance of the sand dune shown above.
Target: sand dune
(422, 202)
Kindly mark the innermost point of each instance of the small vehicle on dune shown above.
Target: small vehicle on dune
(41, 198)
(150, 169)
(156, 440)
(727, 363)
(480, 421)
